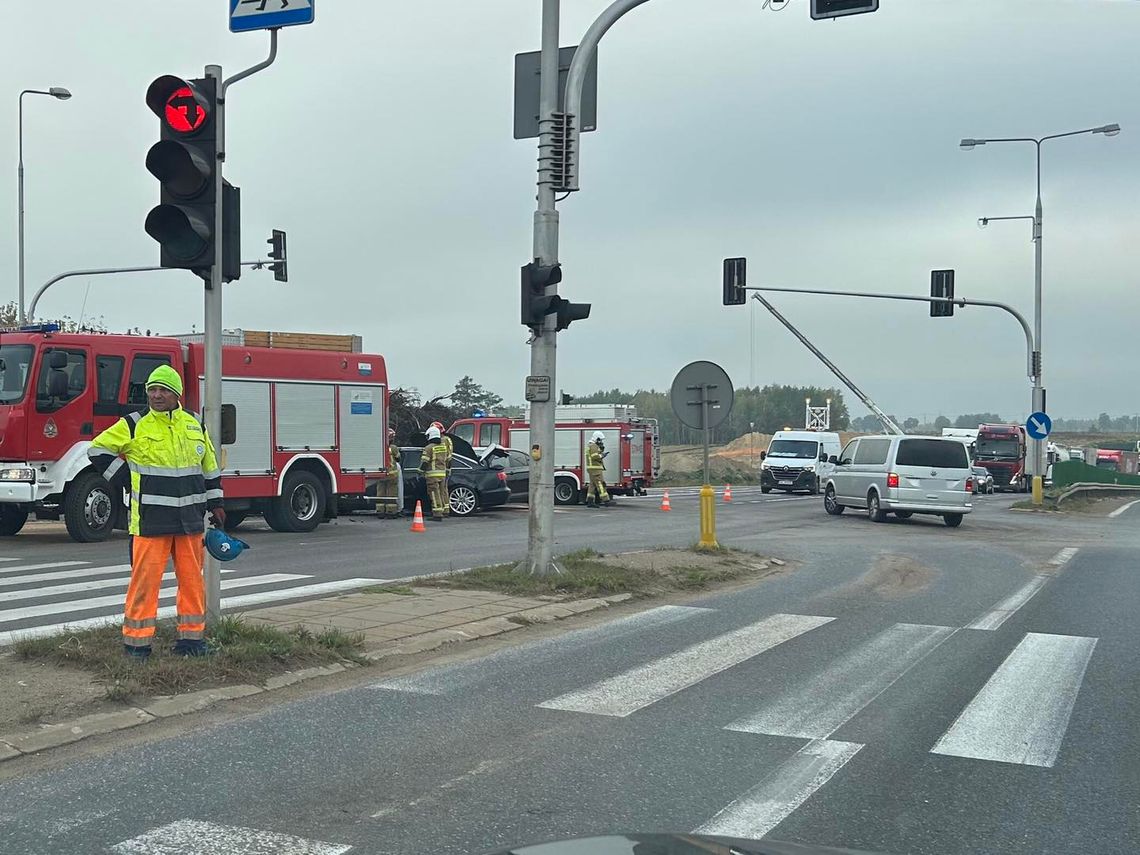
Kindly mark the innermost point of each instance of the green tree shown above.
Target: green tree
(910, 424)
(942, 422)
(469, 396)
(972, 420)
(1104, 422)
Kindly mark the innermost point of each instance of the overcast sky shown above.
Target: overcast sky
(826, 152)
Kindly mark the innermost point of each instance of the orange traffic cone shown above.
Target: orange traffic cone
(665, 502)
(418, 518)
(728, 492)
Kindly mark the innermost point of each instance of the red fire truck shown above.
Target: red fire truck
(1001, 449)
(302, 429)
(632, 466)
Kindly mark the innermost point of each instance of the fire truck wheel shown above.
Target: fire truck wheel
(234, 519)
(566, 492)
(301, 505)
(12, 519)
(88, 509)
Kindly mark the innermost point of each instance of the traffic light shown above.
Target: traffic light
(942, 286)
(280, 268)
(821, 9)
(735, 270)
(184, 161)
(536, 304)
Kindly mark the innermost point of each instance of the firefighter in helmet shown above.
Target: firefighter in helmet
(395, 477)
(433, 462)
(596, 494)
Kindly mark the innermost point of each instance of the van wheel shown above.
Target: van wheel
(830, 504)
(765, 490)
(12, 519)
(301, 505)
(952, 520)
(89, 509)
(566, 492)
(904, 515)
(874, 510)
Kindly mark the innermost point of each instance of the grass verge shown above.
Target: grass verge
(241, 652)
(587, 573)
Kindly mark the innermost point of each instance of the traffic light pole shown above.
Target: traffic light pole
(544, 345)
(212, 403)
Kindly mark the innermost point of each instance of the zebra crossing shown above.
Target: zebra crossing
(45, 598)
(1020, 716)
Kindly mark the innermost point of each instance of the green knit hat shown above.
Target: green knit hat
(166, 377)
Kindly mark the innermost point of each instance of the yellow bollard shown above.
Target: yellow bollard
(708, 519)
(1038, 489)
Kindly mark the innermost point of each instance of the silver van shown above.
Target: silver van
(902, 475)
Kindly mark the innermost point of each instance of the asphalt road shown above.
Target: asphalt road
(903, 688)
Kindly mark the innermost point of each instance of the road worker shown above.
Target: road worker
(175, 480)
(596, 494)
(433, 462)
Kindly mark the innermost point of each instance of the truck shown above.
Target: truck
(1001, 449)
(1117, 460)
(633, 464)
(302, 430)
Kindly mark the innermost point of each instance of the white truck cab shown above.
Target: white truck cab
(797, 460)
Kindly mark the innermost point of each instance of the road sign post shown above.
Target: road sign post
(702, 398)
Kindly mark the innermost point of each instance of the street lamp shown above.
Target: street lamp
(1038, 402)
(61, 94)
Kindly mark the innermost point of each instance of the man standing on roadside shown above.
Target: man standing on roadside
(175, 480)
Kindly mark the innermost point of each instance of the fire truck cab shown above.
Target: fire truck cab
(301, 428)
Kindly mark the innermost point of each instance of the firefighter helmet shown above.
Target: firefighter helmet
(598, 436)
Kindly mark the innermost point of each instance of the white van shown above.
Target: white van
(797, 460)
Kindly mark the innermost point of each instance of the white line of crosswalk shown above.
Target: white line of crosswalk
(24, 568)
(56, 575)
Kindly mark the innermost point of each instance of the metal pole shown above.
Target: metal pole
(544, 347)
(20, 193)
(1037, 402)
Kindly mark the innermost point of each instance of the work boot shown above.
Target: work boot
(609, 502)
(190, 647)
(590, 502)
(437, 517)
(139, 654)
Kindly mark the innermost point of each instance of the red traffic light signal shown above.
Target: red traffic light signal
(184, 106)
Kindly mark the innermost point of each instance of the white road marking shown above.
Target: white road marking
(823, 704)
(65, 574)
(1002, 612)
(75, 588)
(25, 567)
(771, 801)
(1122, 509)
(1022, 712)
(639, 687)
(300, 592)
(1064, 556)
(9, 615)
(452, 678)
(188, 835)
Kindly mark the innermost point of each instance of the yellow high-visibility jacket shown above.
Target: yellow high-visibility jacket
(174, 472)
(595, 461)
(433, 461)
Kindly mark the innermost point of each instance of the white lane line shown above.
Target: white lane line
(1063, 557)
(1122, 509)
(65, 574)
(89, 585)
(301, 591)
(9, 559)
(1022, 712)
(9, 615)
(791, 784)
(452, 678)
(25, 567)
(1004, 610)
(639, 687)
(819, 707)
(188, 835)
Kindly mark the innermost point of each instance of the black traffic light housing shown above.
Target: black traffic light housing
(277, 252)
(821, 9)
(942, 287)
(536, 304)
(735, 278)
(184, 161)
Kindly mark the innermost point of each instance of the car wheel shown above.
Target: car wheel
(765, 490)
(301, 505)
(830, 504)
(874, 510)
(12, 519)
(952, 520)
(903, 515)
(89, 509)
(463, 500)
(565, 492)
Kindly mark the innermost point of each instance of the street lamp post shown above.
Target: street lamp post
(61, 94)
(1038, 400)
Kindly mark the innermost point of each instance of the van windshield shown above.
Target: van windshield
(803, 449)
(15, 366)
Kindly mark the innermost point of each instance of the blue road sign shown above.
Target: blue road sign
(1038, 426)
(246, 15)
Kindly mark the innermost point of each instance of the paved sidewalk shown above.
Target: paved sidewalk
(427, 618)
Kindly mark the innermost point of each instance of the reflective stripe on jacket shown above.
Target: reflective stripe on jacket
(174, 473)
(433, 461)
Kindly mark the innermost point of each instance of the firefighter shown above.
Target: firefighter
(445, 440)
(433, 462)
(174, 482)
(596, 453)
(396, 472)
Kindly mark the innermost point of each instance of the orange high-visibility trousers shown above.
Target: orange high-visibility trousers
(149, 556)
